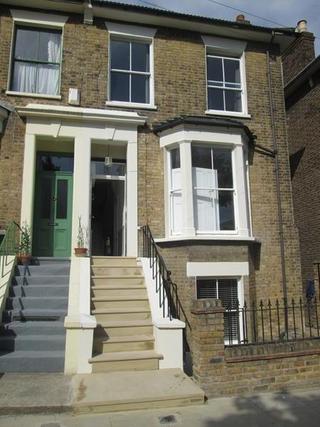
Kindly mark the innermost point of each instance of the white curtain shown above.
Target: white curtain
(24, 77)
(40, 78)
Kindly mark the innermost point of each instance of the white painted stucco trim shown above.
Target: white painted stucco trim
(37, 18)
(224, 46)
(83, 125)
(167, 333)
(217, 269)
(130, 30)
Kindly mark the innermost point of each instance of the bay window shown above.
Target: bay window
(207, 183)
(36, 61)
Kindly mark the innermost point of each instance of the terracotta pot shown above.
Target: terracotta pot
(80, 251)
(24, 259)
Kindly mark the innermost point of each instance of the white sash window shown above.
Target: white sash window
(175, 192)
(36, 61)
(213, 190)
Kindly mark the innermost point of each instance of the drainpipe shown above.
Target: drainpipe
(276, 159)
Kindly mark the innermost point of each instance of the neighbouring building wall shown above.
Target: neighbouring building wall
(298, 55)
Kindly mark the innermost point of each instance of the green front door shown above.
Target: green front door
(52, 216)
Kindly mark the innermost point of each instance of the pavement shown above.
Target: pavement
(291, 409)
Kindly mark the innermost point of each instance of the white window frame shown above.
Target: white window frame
(132, 33)
(227, 49)
(183, 137)
(41, 21)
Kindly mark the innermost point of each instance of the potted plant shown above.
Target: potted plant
(24, 255)
(81, 249)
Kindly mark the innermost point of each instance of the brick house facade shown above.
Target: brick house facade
(260, 249)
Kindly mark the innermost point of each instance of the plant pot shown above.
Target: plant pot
(24, 259)
(80, 251)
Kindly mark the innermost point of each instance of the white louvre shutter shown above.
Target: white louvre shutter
(176, 201)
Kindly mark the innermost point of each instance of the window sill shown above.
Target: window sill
(32, 95)
(222, 237)
(227, 114)
(131, 105)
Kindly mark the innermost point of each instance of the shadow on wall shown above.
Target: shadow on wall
(282, 409)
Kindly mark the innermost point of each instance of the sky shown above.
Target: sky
(283, 12)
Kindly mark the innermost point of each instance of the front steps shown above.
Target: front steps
(32, 334)
(124, 336)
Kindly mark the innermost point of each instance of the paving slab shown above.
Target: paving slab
(34, 393)
(119, 391)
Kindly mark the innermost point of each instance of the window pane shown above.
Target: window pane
(45, 198)
(55, 163)
(214, 69)
(24, 77)
(228, 292)
(175, 158)
(119, 86)
(49, 46)
(48, 79)
(231, 327)
(176, 214)
(215, 99)
(140, 89)
(226, 210)
(206, 288)
(62, 199)
(223, 164)
(232, 70)
(26, 44)
(140, 57)
(120, 55)
(233, 100)
(201, 157)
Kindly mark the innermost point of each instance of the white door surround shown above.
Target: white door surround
(83, 125)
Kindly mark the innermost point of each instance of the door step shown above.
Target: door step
(125, 343)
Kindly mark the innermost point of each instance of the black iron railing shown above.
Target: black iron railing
(271, 322)
(166, 289)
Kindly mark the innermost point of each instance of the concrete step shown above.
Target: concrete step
(39, 291)
(118, 290)
(130, 343)
(62, 280)
(107, 280)
(17, 328)
(126, 361)
(115, 270)
(114, 260)
(33, 315)
(114, 314)
(118, 391)
(32, 361)
(49, 269)
(122, 303)
(32, 342)
(34, 303)
(124, 328)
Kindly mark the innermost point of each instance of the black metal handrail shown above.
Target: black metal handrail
(166, 289)
(271, 322)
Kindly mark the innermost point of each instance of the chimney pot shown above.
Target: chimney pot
(302, 26)
(240, 18)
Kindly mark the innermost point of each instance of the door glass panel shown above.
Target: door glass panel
(62, 199)
(45, 199)
(48, 163)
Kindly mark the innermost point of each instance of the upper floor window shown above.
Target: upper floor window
(36, 61)
(224, 84)
(130, 71)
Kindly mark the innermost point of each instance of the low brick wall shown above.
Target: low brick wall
(248, 369)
